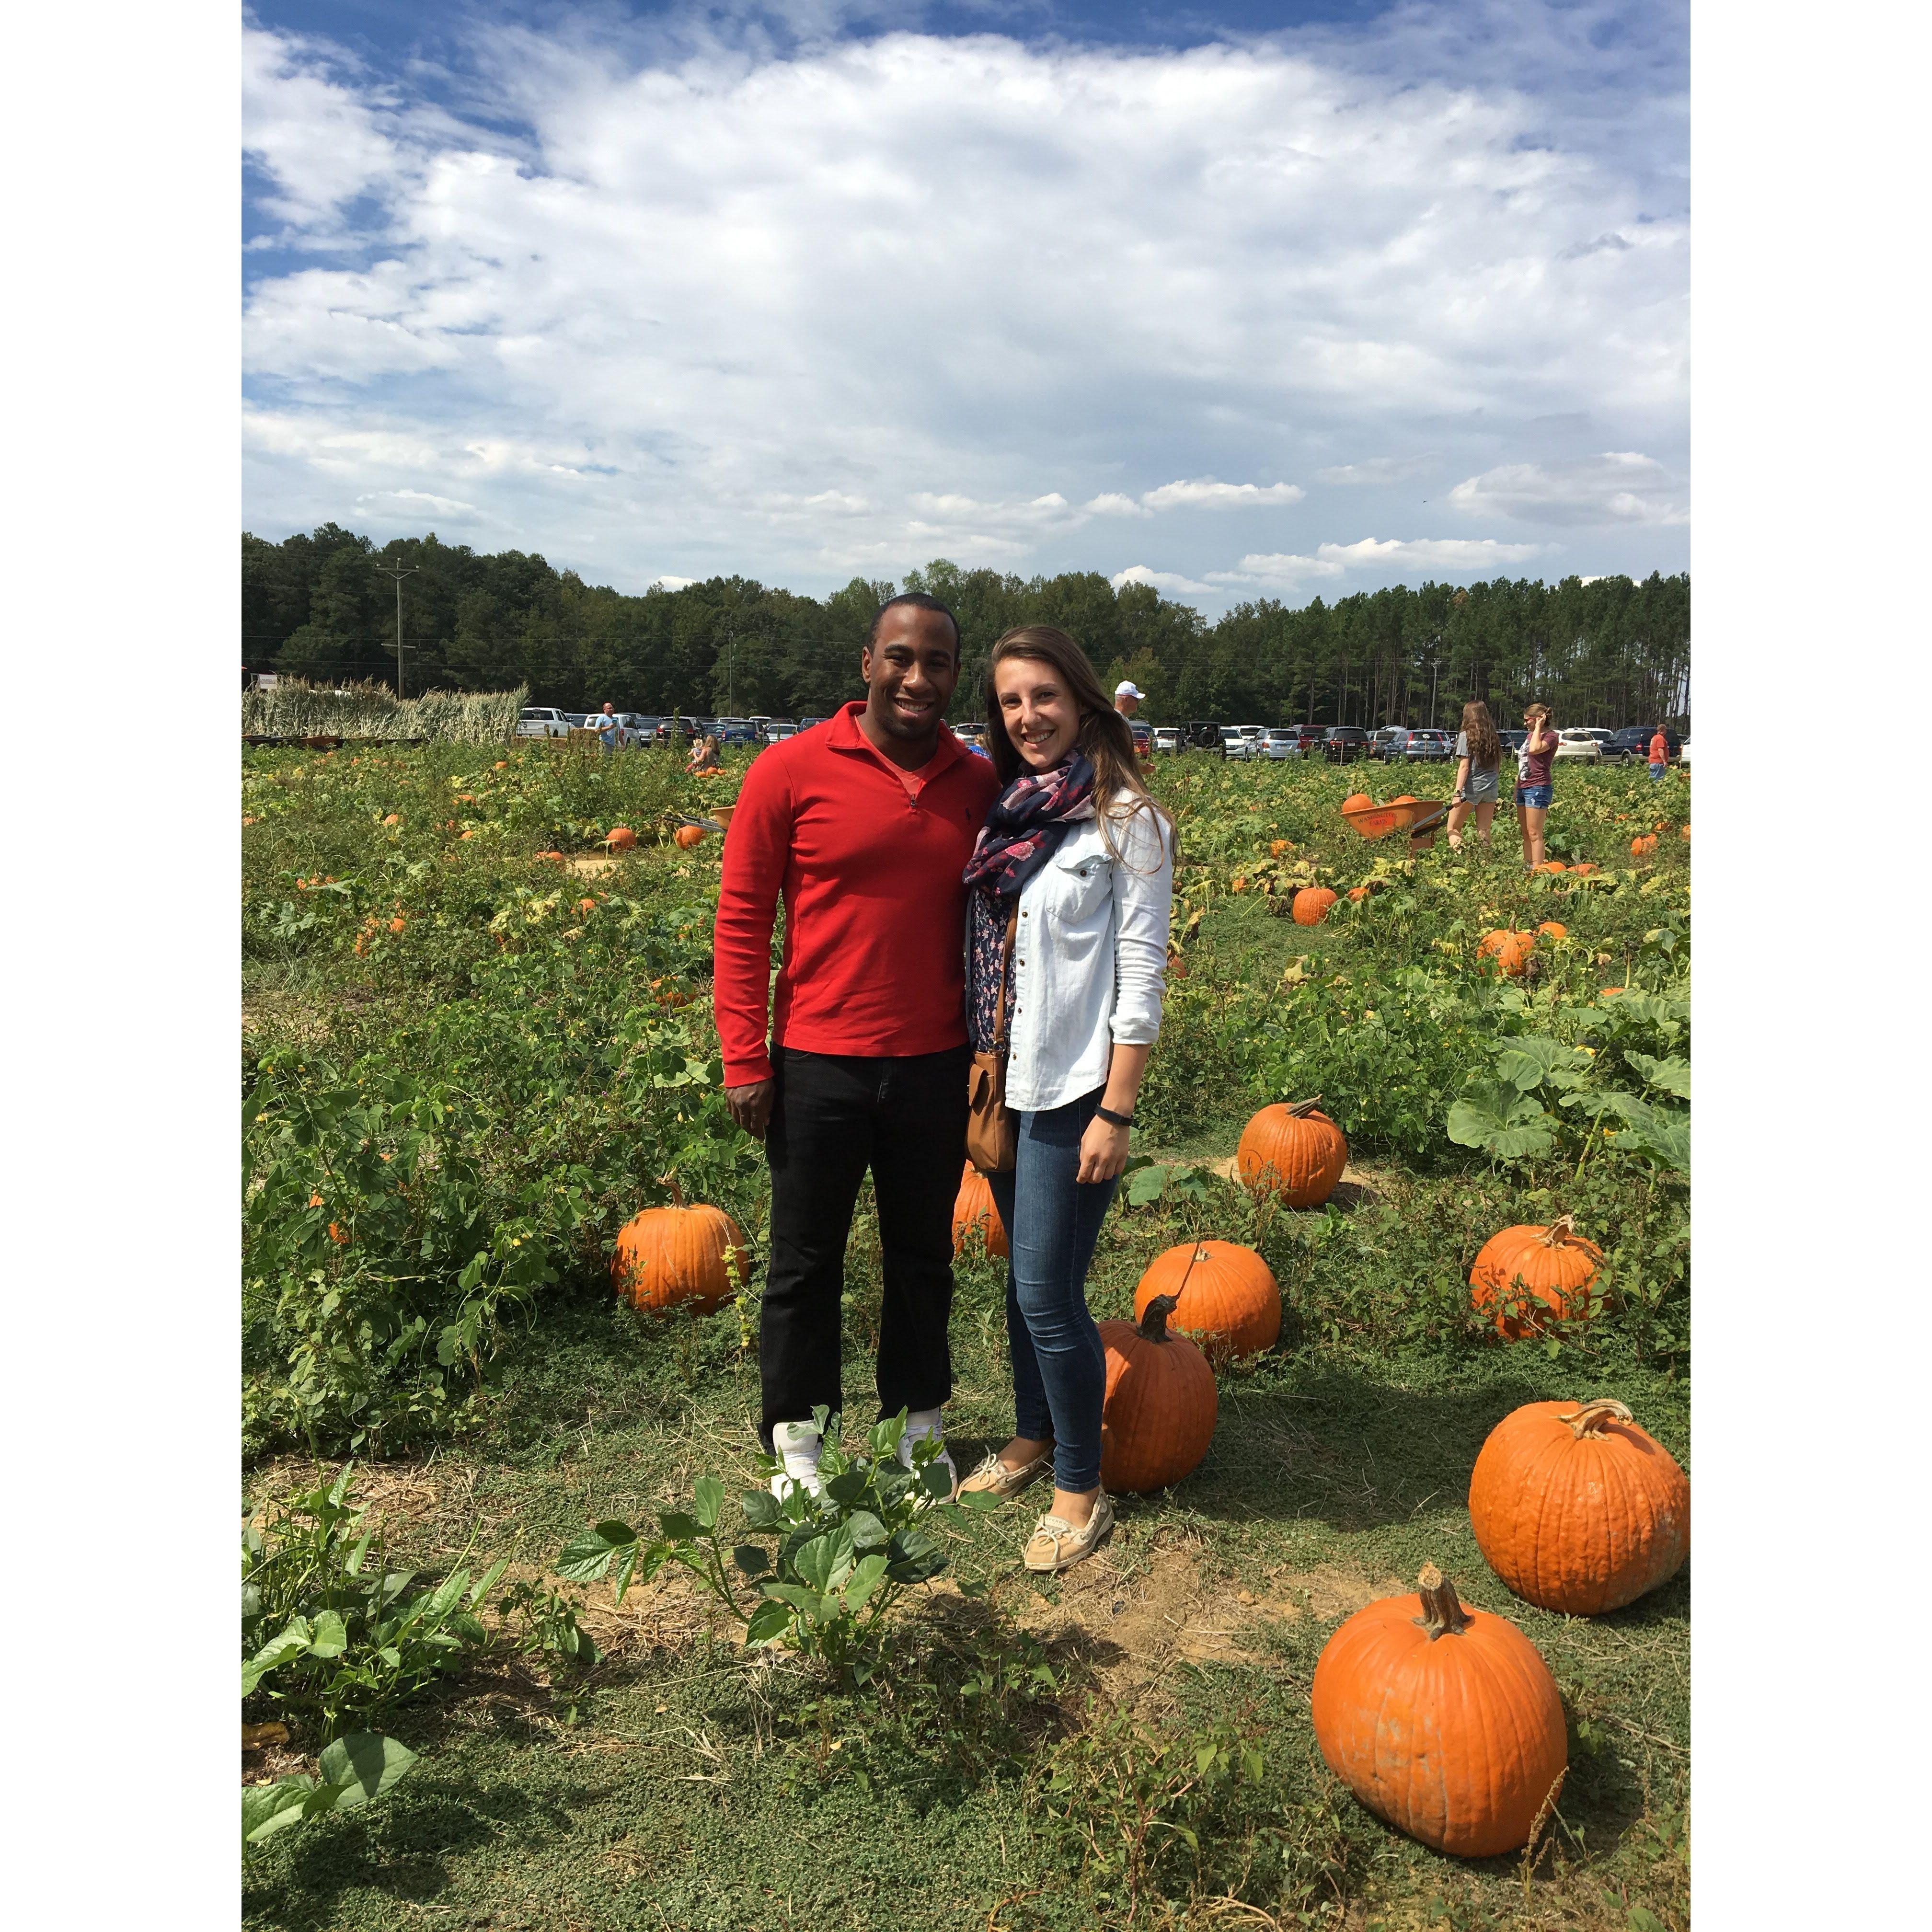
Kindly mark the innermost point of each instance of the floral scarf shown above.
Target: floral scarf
(1024, 830)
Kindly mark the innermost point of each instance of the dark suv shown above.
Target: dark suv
(1202, 734)
(1342, 743)
(1631, 745)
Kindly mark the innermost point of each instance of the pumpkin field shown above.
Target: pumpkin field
(1393, 1628)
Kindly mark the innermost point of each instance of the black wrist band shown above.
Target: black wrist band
(1114, 1120)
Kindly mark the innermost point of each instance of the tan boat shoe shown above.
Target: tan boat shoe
(1057, 1545)
(993, 1476)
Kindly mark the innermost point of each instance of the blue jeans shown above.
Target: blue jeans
(1537, 797)
(1052, 1223)
(1656, 773)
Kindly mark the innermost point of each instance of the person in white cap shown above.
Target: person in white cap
(1126, 698)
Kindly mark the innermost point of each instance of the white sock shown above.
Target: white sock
(796, 1445)
(922, 1423)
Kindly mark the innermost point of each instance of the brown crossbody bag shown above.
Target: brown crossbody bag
(992, 1133)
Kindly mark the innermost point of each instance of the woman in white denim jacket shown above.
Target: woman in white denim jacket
(1078, 860)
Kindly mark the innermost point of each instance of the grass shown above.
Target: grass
(683, 1783)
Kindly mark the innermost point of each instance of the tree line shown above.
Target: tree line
(1609, 650)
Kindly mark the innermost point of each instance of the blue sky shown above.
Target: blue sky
(1241, 301)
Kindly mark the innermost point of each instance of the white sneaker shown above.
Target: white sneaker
(796, 1445)
(922, 1424)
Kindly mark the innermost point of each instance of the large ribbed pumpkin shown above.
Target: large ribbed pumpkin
(1555, 1265)
(1224, 1297)
(673, 1257)
(1504, 951)
(1157, 1417)
(1444, 1721)
(1312, 903)
(1576, 1508)
(974, 1210)
(1297, 1153)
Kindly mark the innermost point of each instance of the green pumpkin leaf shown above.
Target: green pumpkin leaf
(1502, 1121)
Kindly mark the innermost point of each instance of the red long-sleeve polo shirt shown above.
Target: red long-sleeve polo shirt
(868, 859)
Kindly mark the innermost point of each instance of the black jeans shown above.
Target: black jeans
(833, 1116)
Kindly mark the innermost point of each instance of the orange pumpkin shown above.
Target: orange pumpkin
(1684, 831)
(1583, 870)
(1296, 1152)
(620, 839)
(1223, 1296)
(1553, 929)
(554, 858)
(975, 1217)
(1157, 1416)
(1357, 894)
(668, 1257)
(688, 835)
(1612, 992)
(1504, 951)
(1312, 903)
(1444, 1721)
(1642, 848)
(1277, 847)
(1355, 799)
(1407, 798)
(1550, 866)
(1554, 1265)
(1577, 1509)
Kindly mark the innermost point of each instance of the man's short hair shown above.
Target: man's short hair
(919, 600)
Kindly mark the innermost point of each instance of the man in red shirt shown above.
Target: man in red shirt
(863, 826)
(1660, 754)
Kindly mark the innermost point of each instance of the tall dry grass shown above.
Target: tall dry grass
(295, 709)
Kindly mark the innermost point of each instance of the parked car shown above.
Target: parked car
(1143, 737)
(1285, 741)
(1235, 745)
(1513, 741)
(736, 731)
(778, 730)
(1577, 742)
(1401, 745)
(1683, 752)
(806, 724)
(1167, 738)
(1631, 745)
(1309, 737)
(1342, 743)
(542, 720)
(1202, 734)
(1383, 736)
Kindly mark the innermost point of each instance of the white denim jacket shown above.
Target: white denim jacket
(1089, 959)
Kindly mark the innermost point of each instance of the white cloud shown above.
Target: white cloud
(421, 500)
(1378, 470)
(1160, 579)
(1205, 493)
(673, 582)
(740, 303)
(1620, 486)
(1390, 556)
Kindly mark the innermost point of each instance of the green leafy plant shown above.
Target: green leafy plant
(835, 1564)
(356, 1771)
(330, 1634)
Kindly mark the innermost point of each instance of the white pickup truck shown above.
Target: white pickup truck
(542, 720)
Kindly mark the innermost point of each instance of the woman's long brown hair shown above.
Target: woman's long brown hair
(1486, 745)
(1104, 733)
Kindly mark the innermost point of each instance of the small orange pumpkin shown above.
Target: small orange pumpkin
(688, 835)
(1583, 871)
(1553, 929)
(1577, 1509)
(1554, 1265)
(1642, 848)
(1224, 1297)
(1503, 951)
(1357, 894)
(620, 839)
(667, 1257)
(1312, 903)
(1684, 831)
(1157, 1416)
(1550, 866)
(1407, 798)
(550, 858)
(975, 1216)
(1355, 799)
(1297, 1153)
(1278, 848)
(1444, 1721)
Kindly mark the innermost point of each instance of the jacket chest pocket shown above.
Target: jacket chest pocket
(1081, 885)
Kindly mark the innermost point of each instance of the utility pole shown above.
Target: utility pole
(398, 573)
(1435, 677)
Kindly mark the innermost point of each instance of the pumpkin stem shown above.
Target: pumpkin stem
(1589, 1419)
(1562, 1229)
(1154, 1323)
(677, 1192)
(1302, 1109)
(1442, 1614)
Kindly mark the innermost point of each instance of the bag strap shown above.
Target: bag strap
(1000, 999)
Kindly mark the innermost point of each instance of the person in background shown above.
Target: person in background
(610, 733)
(1126, 698)
(704, 762)
(1077, 864)
(1660, 753)
(1479, 751)
(863, 826)
(1533, 788)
